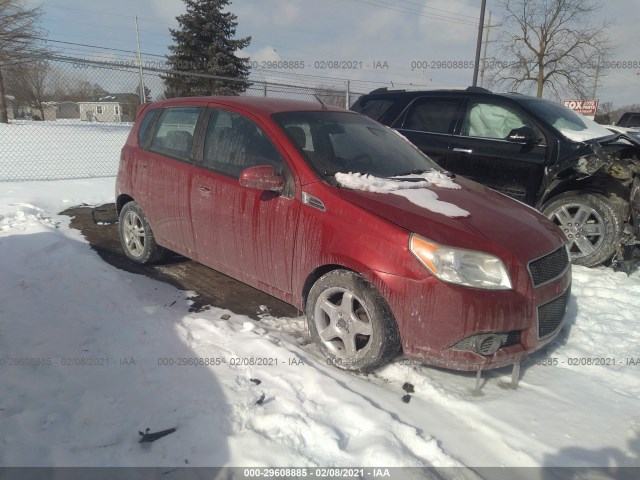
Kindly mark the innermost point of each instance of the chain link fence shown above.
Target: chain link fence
(69, 117)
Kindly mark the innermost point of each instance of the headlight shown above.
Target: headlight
(463, 267)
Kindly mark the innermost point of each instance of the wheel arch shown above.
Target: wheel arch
(347, 264)
(600, 184)
(315, 275)
(121, 201)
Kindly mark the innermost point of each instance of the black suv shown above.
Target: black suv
(581, 175)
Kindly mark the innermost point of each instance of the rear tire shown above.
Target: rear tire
(351, 323)
(136, 236)
(591, 222)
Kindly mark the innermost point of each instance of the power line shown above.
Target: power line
(439, 9)
(420, 13)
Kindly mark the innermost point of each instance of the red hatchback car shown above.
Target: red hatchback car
(342, 217)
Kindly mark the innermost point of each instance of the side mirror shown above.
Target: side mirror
(523, 135)
(262, 177)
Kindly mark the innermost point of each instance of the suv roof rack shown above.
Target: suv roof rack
(385, 90)
(468, 89)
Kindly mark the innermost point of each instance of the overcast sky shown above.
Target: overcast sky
(380, 39)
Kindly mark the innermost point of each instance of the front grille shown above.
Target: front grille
(549, 267)
(551, 315)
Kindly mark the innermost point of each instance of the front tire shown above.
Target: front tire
(351, 323)
(136, 236)
(591, 222)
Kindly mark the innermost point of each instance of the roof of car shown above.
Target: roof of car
(256, 104)
(447, 91)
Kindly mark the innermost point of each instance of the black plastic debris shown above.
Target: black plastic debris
(406, 398)
(260, 400)
(103, 216)
(255, 380)
(407, 387)
(148, 437)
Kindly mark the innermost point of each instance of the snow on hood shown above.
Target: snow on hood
(414, 191)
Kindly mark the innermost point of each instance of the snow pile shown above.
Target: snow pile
(90, 355)
(414, 191)
(24, 216)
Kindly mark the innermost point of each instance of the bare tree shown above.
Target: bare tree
(550, 45)
(28, 83)
(19, 36)
(61, 84)
(603, 114)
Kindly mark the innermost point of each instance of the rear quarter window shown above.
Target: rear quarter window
(145, 123)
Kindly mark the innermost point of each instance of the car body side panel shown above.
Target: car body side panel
(248, 233)
(508, 167)
(165, 200)
(347, 236)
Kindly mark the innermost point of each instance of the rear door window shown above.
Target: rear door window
(434, 115)
(173, 135)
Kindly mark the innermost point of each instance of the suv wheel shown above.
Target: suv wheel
(136, 236)
(591, 222)
(350, 322)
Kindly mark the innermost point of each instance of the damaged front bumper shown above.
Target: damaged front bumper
(627, 256)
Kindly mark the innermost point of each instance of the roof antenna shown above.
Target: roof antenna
(324, 107)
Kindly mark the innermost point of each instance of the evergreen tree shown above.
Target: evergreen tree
(204, 44)
(147, 93)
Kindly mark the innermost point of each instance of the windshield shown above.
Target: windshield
(572, 125)
(341, 142)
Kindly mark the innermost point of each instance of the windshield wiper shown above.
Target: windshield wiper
(415, 171)
(418, 171)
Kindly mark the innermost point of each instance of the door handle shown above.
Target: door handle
(463, 150)
(204, 190)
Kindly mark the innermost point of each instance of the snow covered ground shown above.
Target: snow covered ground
(60, 149)
(90, 355)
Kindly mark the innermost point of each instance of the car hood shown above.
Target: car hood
(495, 224)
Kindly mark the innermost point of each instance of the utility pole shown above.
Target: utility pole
(484, 54)
(595, 83)
(143, 96)
(348, 95)
(479, 43)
